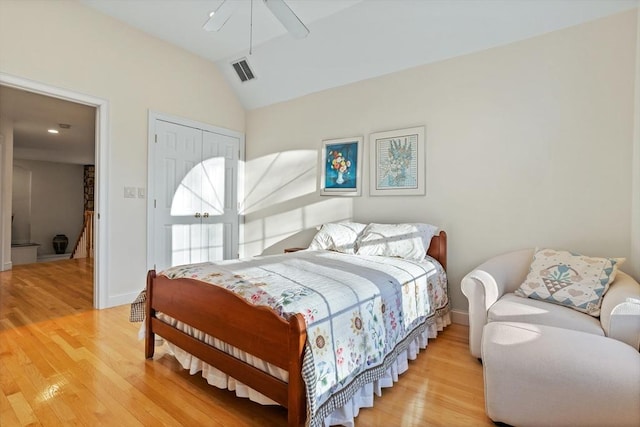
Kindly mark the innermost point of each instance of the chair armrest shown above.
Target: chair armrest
(620, 311)
(487, 283)
(474, 289)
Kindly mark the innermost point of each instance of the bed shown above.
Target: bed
(219, 325)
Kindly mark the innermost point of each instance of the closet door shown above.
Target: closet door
(195, 213)
(219, 196)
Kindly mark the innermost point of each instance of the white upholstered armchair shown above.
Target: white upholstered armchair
(548, 364)
(490, 286)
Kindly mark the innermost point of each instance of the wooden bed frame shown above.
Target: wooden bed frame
(257, 330)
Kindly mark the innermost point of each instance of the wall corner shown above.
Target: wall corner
(635, 166)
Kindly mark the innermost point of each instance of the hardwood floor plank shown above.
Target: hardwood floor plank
(7, 414)
(64, 363)
(22, 409)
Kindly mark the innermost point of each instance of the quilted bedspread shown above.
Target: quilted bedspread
(360, 311)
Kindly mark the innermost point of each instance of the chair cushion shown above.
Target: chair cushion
(511, 308)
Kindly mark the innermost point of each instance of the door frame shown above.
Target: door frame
(153, 117)
(100, 267)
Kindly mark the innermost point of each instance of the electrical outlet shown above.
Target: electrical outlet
(141, 193)
(129, 192)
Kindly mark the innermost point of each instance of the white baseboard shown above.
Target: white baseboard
(54, 257)
(121, 299)
(7, 266)
(460, 317)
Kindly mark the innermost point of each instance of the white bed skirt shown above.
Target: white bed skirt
(344, 415)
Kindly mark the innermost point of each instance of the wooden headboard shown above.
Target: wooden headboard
(438, 248)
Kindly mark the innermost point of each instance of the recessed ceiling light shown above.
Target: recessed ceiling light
(52, 130)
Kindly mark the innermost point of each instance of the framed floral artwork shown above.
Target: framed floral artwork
(340, 170)
(398, 160)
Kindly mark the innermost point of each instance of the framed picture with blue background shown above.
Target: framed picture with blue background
(341, 170)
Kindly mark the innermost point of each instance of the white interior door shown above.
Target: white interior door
(219, 203)
(195, 216)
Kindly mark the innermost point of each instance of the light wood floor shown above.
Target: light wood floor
(63, 363)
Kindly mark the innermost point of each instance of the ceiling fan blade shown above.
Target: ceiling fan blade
(287, 18)
(220, 16)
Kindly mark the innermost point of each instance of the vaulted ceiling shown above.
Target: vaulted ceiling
(349, 40)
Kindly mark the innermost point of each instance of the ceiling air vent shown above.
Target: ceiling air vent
(242, 69)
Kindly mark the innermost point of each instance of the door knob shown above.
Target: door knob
(198, 215)
(206, 214)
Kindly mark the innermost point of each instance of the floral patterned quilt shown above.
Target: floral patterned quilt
(360, 311)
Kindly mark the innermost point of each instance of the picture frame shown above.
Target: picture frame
(341, 167)
(398, 162)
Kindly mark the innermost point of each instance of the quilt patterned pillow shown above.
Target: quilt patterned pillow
(408, 241)
(339, 237)
(569, 279)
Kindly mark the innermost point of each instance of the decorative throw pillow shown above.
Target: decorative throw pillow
(408, 241)
(569, 279)
(340, 237)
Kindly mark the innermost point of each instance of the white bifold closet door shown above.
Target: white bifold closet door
(195, 195)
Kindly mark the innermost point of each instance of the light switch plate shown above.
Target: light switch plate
(141, 193)
(129, 192)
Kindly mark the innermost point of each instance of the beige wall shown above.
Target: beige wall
(68, 45)
(635, 188)
(528, 144)
(57, 202)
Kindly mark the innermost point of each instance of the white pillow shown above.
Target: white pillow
(409, 241)
(340, 237)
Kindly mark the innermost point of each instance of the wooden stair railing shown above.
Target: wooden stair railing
(84, 245)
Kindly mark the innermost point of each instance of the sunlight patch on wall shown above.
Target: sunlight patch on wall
(279, 177)
(291, 228)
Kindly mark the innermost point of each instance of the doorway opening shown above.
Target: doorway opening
(92, 170)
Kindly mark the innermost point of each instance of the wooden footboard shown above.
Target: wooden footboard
(254, 329)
